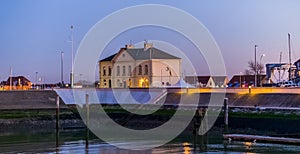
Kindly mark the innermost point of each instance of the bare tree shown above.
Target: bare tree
(251, 68)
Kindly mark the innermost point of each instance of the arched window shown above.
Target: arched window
(123, 71)
(104, 81)
(109, 70)
(129, 70)
(140, 70)
(104, 71)
(146, 70)
(118, 70)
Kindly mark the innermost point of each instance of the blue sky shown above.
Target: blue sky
(33, 33)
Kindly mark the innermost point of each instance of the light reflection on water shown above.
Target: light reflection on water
(72, 141)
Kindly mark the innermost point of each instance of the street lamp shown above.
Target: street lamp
(260, 80)
(36, 74)
(167, 69)
(240, 79)
(195, 75)
(255, 66)
(62, 69)
(161, 75)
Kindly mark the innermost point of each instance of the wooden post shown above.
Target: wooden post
(87, 120)
(225, 115)
(57, 121)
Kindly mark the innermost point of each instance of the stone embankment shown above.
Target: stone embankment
(10, 100)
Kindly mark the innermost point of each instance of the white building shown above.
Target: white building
(139, 67)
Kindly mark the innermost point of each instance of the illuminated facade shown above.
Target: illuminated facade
(139, 67)
(16, 83)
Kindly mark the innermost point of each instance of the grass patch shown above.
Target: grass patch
(270, 115)
(38, 114)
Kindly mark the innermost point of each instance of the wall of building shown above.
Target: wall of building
(162, 74)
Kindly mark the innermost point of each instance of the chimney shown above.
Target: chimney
(129, 46)
(147, 45)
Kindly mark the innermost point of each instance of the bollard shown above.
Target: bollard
(87, 120)
(225, 115)
(249, 89)
(57, 122)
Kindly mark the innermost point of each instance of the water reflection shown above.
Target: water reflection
(74, 141)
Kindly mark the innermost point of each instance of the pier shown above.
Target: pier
(257, 138)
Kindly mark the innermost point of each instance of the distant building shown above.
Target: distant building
(17, 83)
(139, 67)
(207, 81)
(297, 70)
(246, 80)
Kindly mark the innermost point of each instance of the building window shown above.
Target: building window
(109, 70)
(118, 70)
(146, 70)
(129, 70)
(140, 70)
(104, 71)
(124, 71)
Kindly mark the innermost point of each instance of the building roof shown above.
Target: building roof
(153, 53)
(219, 79)
(203, 79)
(245, 78)
(296, 61)
(15, 79)
(108, 58)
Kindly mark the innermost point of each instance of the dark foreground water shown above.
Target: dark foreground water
(73, 141)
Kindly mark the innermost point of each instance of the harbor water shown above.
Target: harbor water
(73, 141)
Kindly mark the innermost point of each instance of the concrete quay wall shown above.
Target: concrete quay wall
(238, 97)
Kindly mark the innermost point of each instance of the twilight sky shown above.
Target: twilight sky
(33, 33)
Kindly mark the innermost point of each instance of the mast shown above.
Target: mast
(255, 66)
(10, 79)
(62, 69)
(280, 57)
(290, 59)
(72, 58)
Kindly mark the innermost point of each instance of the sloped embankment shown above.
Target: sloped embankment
(10, 100)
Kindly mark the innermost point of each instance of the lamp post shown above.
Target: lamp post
(62, 68)
(240, 79)
(255, 66)
(161, 75)
(36, 74)
(195, 75)
(260, 69)
(168, 69)
(10, 79)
